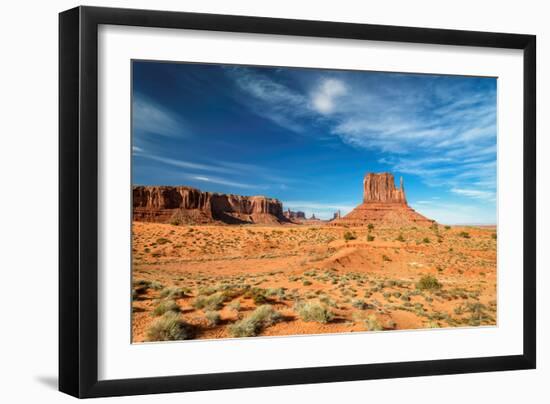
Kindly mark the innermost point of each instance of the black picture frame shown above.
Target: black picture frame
(78, 201)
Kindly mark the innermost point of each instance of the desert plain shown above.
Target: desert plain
(194, 280)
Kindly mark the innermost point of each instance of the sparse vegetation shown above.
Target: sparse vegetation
(213, 317)
(464, 234)
(373, 324)
(312, 311)
(428, 282)
(165, 306)
(400, 238)
(169, 327)
(209, 302)
(250, 326)
(370, 237)
(348, 236)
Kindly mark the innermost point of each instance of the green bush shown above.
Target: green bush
(165, 306)
(169, 327)
(428, 282)
(426, 240)
(370, 226)
(400, 238)
(464, 234)
(370, 238)
(314, 312)
(250, 326)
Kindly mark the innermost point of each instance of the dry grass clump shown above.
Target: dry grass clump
(373, 324)
(169, 327)
(165, 306)
(348, 236)
(312, 311)
(173, 293)
(209, 302)
(250, 326)
(213, 317)
(428, 282)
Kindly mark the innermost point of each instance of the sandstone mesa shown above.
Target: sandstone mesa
(383, 203)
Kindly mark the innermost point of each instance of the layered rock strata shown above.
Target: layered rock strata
(186, 205)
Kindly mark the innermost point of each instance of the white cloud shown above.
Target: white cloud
(150, 117)
(474, 193)
(323, 98)
(221, 181)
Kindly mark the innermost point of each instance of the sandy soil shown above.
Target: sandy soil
(360, 279)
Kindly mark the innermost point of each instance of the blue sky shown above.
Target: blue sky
(308, 136)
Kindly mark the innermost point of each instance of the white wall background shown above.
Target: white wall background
(28, 203)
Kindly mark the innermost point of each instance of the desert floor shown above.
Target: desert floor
(236, 281)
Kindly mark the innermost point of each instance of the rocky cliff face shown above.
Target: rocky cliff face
(381, 188)
(190, 205)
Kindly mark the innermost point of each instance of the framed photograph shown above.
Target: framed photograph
(251, 201)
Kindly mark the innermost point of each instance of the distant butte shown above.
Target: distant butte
(383, 203)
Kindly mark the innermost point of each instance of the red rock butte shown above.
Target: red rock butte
(383, 203)
(186, 205)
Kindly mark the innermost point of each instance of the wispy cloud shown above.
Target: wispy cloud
(474, 193)
(222, 181)
(270, 99)
(149, 117)
(439, 129)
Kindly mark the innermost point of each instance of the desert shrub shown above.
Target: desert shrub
(349, 236)
(213, 317)
(155, 285)
(250, 326)
(373, 324)
(313, 312)
(328, 301)
(258, 295)
(426, 240)
(370, 226)
(400, 238)
(211, 302)
(370, 237)
(359, 304)
(386, 258)
(428, 282)
(494, 236)
(169, 327)
(163, 240)
(235, 306)
(464, 234)
(279, 292)
(447, 227)
(165, 306)
(173, 293)
(306, 283)
(432, 324)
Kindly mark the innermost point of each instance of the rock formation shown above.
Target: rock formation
(381, 188)
(167, 204)
(295, 216)
(384, 204)
(337, 215)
